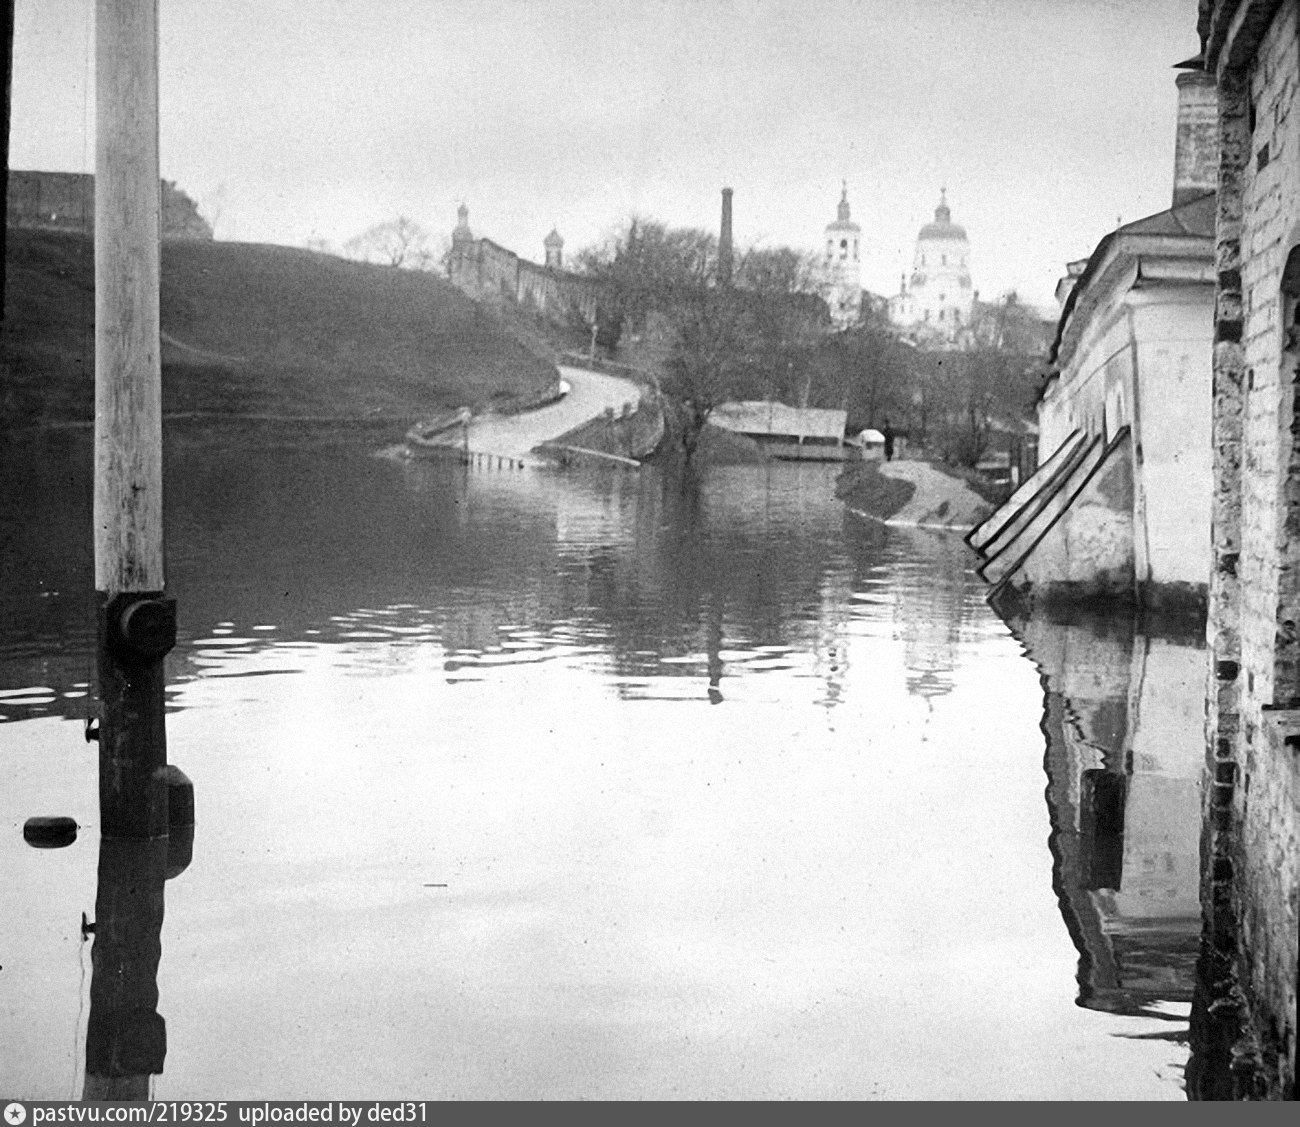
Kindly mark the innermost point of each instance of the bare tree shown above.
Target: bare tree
(728, 338)
(399, 242)
(642, 266)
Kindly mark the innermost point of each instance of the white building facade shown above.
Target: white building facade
(934, 302)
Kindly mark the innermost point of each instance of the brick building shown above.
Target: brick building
(1245, 1028)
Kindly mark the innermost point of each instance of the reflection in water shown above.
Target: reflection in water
(567, 785)
(1123, 722)
(126, 1037)
(931, 613)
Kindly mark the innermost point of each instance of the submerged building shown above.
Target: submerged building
(781, 431)
(1119, 506)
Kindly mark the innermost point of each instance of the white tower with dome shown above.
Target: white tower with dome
(935, 301)
(842, 266)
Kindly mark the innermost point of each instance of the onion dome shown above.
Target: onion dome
(943, 227)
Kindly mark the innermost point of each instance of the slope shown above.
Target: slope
(257, 330)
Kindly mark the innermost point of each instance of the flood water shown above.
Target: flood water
(549, 784)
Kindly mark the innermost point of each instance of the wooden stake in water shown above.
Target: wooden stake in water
(137, 622)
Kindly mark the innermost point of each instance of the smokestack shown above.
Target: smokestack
(1196, 145)
(724, 240)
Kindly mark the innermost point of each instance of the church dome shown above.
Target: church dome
(943, 227)
(554, 239)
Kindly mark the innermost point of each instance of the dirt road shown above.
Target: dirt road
(513, 436)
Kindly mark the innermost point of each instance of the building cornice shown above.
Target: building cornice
(1123, 262)
(1231, 31)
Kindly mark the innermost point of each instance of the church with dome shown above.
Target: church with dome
(934, 302)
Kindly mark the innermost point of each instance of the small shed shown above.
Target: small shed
(871, 443)
(815, 433)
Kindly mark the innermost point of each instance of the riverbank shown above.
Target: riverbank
(911, 494)
(260, 331)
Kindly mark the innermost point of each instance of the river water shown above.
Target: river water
(550, 784)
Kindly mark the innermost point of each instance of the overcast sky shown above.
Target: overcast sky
(289, 120)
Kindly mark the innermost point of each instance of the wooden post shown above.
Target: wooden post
(7, 56)
(126, 1036)
(137, 622)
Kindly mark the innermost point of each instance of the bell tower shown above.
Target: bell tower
(842, 266)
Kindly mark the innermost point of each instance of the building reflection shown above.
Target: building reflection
(930, 594)
(1123, 724)
(126, 1036)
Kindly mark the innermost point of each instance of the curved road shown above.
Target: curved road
(513, 436)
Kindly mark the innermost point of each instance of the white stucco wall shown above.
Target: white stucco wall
(1054, 425)
(1174, 330)
(1100, 375)
(1143, 360)
(941, 287)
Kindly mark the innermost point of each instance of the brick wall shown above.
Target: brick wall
(1244, 1024)
(65, 201)
(1271, 207)
(488, 272)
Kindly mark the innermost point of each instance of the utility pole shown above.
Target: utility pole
(7, 55)
(146, 808)
(137, 621)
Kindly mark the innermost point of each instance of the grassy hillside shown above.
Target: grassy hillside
(261, 330)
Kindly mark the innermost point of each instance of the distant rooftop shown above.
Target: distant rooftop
(754, 416)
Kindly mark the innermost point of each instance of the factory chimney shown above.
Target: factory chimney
(724, 241)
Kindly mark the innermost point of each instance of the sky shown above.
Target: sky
(1048, 121)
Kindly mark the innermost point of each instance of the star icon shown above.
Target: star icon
(15, 1114)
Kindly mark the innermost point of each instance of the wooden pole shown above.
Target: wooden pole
(7, 55)
(137, 622)
(128, 379)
